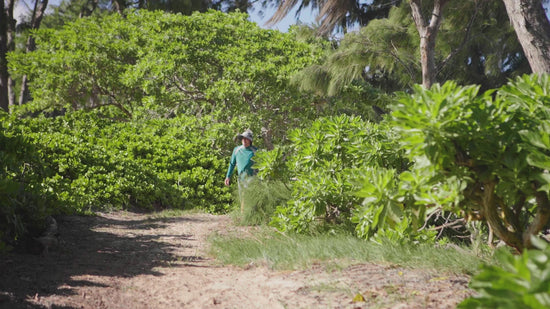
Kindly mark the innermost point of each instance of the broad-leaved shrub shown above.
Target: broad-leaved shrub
(324, 163)
(520, 281)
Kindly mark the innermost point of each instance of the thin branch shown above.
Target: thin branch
(435, 213)
(465, 39)
(451, 224)
(394, 54)
(117, 104)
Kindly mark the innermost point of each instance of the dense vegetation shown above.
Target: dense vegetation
(143, 116)
(81, 163)
(152, 64)
(481, 157)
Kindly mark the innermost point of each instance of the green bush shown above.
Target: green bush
(24, 202)
(522, 281)
(475, 156)
(323, 161)
(482, 156)
(94, 163)
(154, 64)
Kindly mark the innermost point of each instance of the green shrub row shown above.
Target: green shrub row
(81, 162)
(98, 164)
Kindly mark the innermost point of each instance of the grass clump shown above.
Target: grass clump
(297, 251)
(261, 198)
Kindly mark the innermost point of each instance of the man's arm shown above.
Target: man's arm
(232, 164)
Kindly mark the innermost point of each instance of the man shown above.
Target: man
(242, 159)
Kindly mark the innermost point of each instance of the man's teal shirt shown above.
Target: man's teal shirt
(242, 159)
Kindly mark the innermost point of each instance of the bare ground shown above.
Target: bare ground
(128, 260)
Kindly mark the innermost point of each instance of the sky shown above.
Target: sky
(306, 17)
(24, 6)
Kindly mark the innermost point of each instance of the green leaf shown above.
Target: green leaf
(537, 139)
(539, 159)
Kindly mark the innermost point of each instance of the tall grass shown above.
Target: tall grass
(261, 198)
(280, 251)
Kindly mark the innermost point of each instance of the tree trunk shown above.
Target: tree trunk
(503, 221)
(490, 212)
(427, 29)
(88, 8)
(37, 14)
(11, 47)
(542, 217)
(11, 93)
(3, 60)
(7, 25)
(533, 31)
(119, 6)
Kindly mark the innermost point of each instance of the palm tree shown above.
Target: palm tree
(336, 14)
(340, 14)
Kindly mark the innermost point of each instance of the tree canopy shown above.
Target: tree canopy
(165, 64)
(475, 44)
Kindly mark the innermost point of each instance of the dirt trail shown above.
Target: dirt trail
(127, 260)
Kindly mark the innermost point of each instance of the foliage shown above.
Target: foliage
(70, 10)
(491, 55)
(334, 91)
(271, 165)
(335, 16)
(522, 281)
(380, 208)
(473, 47)
(388, 48)
(94, 163)
(155, 64)
(479, 156)
(323, 160)
(23, 201)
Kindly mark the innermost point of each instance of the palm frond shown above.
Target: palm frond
(333, 13)
(286, 6)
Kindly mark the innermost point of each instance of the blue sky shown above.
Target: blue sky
(24, 6)
(306, 17)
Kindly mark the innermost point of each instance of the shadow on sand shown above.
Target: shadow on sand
(83, 250)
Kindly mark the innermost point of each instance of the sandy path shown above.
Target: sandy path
(126, 260)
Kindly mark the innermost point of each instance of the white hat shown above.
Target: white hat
(246, 134)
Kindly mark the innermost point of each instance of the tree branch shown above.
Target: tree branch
(541, 218)
(418, 17)
(394, 55)
(489, 206)
(464, 40)
(437, 15)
